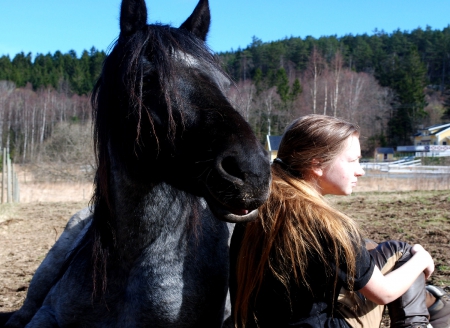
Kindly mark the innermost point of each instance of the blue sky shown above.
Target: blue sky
(43, 26)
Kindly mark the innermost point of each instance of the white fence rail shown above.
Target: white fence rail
(405, 166)
(420, 169)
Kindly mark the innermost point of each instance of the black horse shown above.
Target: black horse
(175, 162)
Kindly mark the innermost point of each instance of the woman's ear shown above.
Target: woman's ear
(316, 168)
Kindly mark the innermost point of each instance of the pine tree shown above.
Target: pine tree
(408, 81)
(296, 90)
(258, 79)
(6, 69)
(21, 72)
(282, 84)
(446, 103)
(96, 59)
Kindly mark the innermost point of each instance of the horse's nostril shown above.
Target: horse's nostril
(231, 167)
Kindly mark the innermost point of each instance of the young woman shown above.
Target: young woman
(304, 263)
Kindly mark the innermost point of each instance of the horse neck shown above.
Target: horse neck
(146, 214)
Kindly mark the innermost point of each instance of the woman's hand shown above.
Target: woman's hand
(418, 250)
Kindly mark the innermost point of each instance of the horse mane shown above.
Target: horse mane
(124, 72)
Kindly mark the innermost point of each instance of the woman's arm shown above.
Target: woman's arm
(384, 289)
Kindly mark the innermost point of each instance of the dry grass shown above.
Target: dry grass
(377, 181)
(55, 192)
(62, 184)
(7, 211)
(36, 190)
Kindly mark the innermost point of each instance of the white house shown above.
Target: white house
(430, 141)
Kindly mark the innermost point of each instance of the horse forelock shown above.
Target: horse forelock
(170, 51)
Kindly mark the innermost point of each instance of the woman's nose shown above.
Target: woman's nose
(360, 172)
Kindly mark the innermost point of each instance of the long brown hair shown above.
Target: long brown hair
(296, 217)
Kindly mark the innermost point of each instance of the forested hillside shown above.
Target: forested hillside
(389, 83)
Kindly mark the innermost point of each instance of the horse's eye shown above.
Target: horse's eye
(148, 67)
(150, 76)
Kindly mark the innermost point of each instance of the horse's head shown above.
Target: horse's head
(161, 112)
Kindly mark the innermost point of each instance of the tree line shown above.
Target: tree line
(67, 73)
(390, 84)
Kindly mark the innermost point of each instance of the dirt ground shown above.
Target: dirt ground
(29, 229)
(27, 232)
(416, 217)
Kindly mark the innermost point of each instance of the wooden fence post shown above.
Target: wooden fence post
(16, 191)
(3, 175)
(9, 182)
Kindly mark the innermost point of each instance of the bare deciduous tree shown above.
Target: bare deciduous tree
(241, 96)
(336, 65)
(268, 98)
(28, 118)
(314, 70)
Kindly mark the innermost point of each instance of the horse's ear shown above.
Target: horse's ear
(133, 16)
(198, 22)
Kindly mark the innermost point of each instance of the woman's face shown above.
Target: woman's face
(341, 175)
